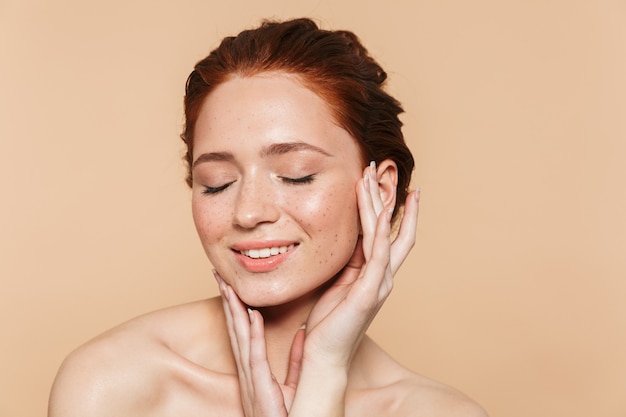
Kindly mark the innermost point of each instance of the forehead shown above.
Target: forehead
(267, 107)
(274, 94)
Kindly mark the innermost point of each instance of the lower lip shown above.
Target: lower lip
(263, 264)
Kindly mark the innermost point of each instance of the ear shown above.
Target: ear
(387, 178)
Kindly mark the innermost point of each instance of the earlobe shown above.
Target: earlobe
(387, 177)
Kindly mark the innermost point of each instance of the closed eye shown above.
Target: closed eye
(215, 190)
(301, 180)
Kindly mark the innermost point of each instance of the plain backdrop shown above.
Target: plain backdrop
(515, 110)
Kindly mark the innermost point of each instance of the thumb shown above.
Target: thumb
(295, 358)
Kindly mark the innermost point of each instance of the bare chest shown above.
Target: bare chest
(224, 401)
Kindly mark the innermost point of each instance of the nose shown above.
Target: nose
(255, 204)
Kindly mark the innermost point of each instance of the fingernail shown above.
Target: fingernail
(366, 181)
(389, 213)
(373, 169)
(416, 195)
(252, 318)
(303, 326)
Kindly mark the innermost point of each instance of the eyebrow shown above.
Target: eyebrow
(271, 150)
(213, 156)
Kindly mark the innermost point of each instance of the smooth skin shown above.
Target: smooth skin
(288, 341)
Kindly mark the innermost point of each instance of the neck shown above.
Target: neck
(281, 324)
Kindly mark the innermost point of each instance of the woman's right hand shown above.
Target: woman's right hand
(261, 394)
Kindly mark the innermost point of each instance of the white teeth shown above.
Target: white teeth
(266, 252)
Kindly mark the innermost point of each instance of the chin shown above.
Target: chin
(267, 296)
(258, 300)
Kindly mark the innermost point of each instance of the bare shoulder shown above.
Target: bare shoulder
(426, 397)
(103, 371)
(393, 390)
(124, 370)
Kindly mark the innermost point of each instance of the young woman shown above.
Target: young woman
(298, 169)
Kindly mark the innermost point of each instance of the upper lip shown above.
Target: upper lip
(261, 244)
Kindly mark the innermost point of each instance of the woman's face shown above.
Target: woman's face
(274, 198)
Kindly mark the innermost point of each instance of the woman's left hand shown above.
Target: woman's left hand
(344, 312)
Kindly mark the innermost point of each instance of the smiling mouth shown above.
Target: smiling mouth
(266, 252)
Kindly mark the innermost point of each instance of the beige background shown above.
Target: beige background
(516, 112)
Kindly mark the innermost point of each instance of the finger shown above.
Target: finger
(242, 331)
(267, 393)
(295, 358)
(405, 239)
(229, 317)
(240, 326)
(382, 254)
(261, 373)
(377, 201)
(260, 370)
(367, 212)
(376, 269)
(371, 205)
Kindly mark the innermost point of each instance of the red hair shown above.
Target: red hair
(333, 64)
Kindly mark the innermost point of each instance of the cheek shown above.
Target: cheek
(330, 213)
(208, 218)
